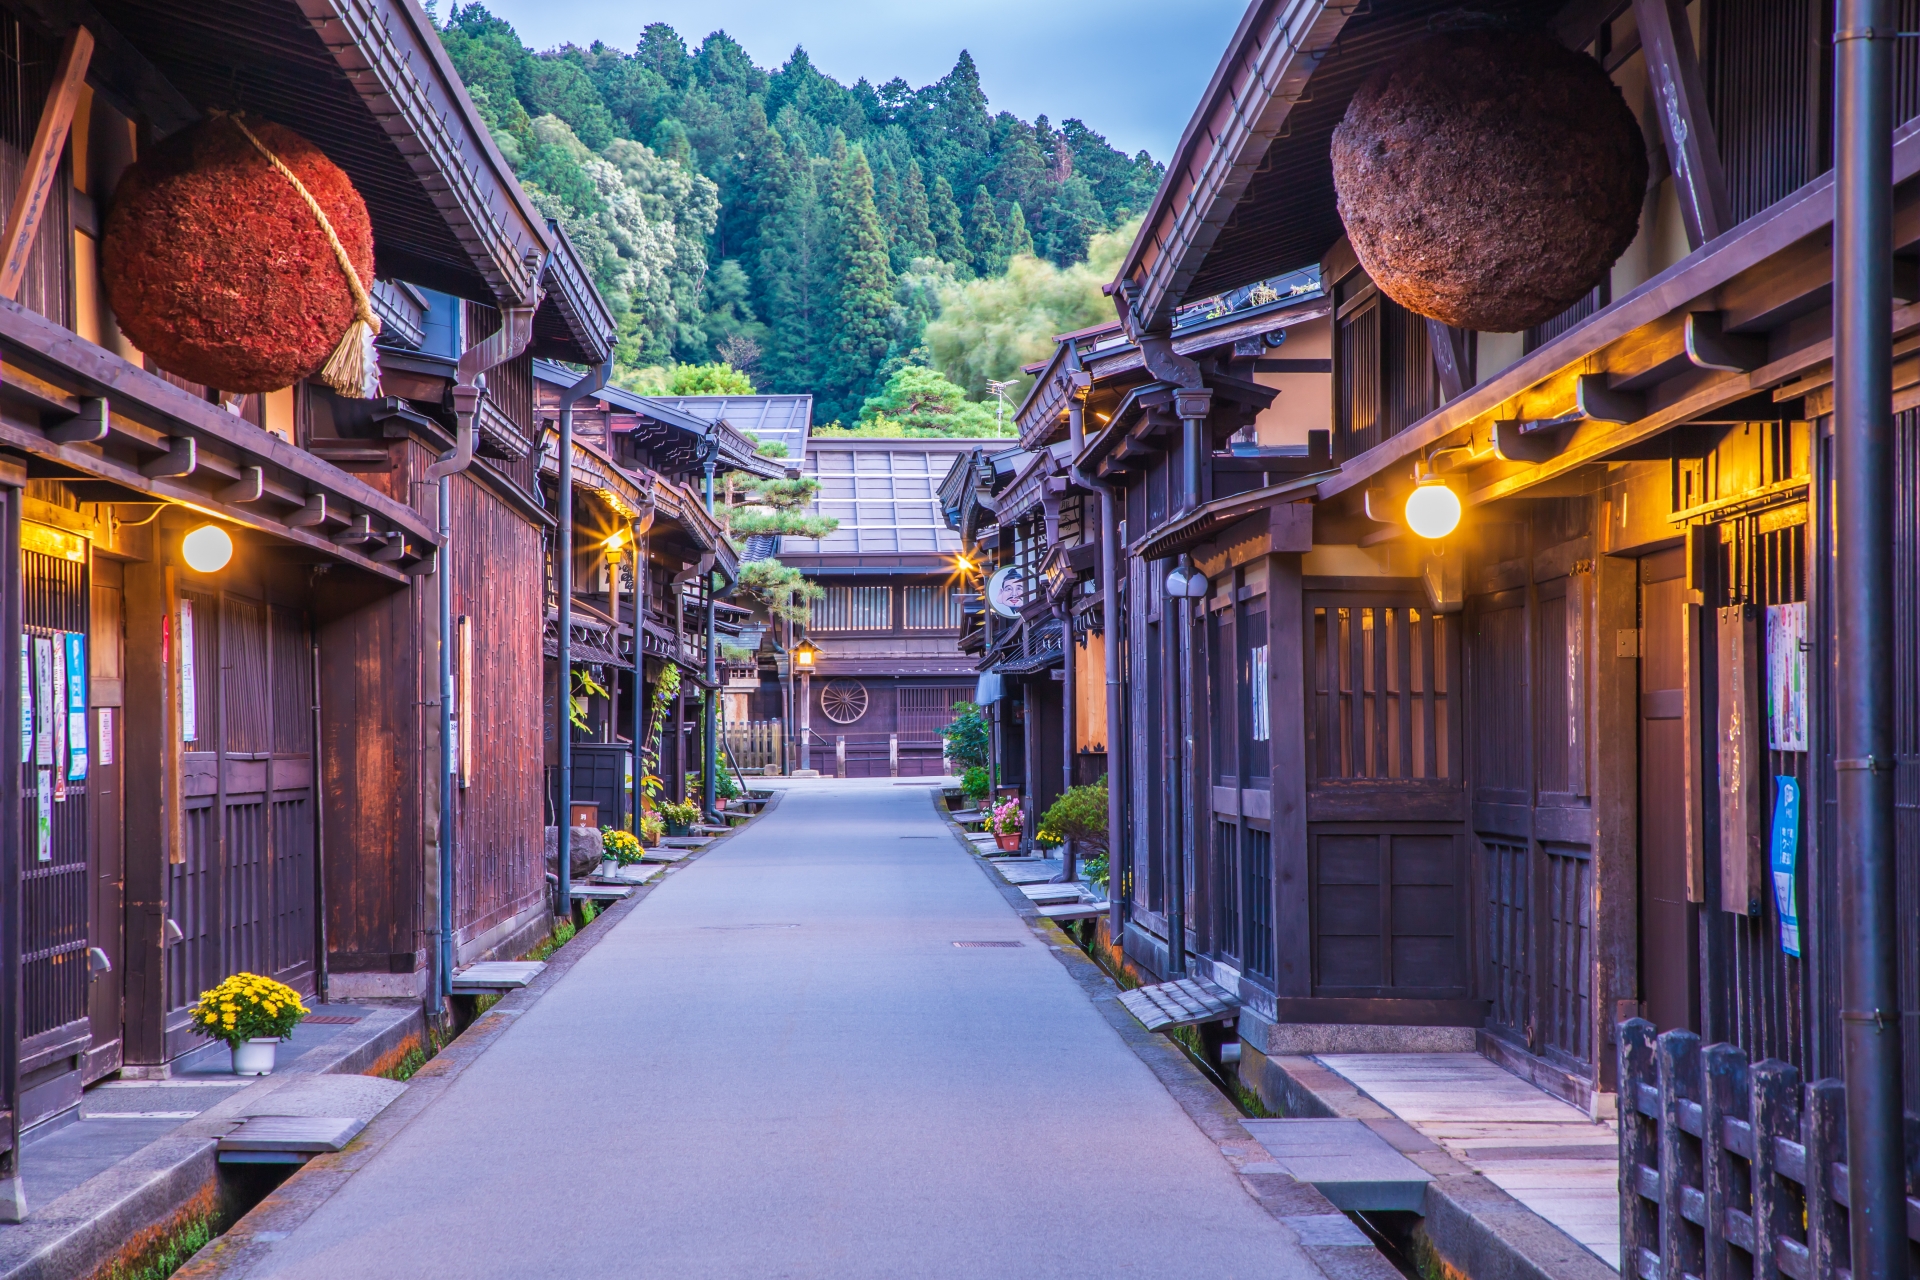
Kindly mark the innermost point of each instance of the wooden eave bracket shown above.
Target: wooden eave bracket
(180, 459)
(1710, 346)
(89, 426)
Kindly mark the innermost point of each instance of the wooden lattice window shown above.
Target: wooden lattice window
(1380, 693)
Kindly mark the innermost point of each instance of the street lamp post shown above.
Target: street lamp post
(804, 655)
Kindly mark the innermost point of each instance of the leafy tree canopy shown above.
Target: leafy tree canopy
(989, 329)
(803, 232)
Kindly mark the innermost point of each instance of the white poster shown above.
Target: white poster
(105, 745)
(26, 699)
(42, 700)
(1787, 677)
(189, 729)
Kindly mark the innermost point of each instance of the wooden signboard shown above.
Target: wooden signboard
(1741, 745)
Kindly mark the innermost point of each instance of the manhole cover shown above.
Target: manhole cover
(749, 926)
(330, 1019)
(986, 944)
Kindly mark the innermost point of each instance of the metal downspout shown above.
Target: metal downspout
(707, 780)
(1863, 450)
(1117, 847)
(563, 573)
(516, 330)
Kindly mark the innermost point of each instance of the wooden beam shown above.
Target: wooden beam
(1449, 358)
(43, 160)
(1698, 178)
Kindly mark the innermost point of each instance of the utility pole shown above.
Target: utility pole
(999, 390)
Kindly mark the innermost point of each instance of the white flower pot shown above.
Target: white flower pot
(255, 1057)
(608, 866)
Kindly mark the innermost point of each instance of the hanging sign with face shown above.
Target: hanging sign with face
(1006, 593)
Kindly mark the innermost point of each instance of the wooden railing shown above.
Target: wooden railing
(1729, 1169)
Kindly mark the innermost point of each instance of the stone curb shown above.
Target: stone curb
(1476, 1228)
(1328, 1238)
(84, 1231)
(250, 1240)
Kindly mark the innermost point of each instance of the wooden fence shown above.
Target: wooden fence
(1730, 1170)
(754, 744)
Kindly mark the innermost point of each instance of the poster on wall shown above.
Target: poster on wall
(1787, 677)
(1784, 856)
(76, 706)
(43, 815)
(57, 711)
(189, 729)
(26, 698)
(42, 701)
(106, 735)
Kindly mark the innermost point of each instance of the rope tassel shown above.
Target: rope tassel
(353, 370)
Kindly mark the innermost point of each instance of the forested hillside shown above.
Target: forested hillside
(801, 230)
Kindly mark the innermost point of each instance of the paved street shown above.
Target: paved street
(780, 1065)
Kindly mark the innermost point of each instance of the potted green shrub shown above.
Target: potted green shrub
(679, 817)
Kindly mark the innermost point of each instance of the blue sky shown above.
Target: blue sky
(1132, 69)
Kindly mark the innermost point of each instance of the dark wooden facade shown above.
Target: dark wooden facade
(889, 671)
(242, 772)
(1490, 781)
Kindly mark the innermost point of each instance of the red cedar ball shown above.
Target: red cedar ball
(218, 270)
(1489, 179)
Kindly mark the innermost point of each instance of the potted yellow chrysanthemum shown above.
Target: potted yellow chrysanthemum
(253, 1015)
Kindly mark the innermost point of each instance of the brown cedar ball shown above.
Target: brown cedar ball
(218, 270)
(1489, 179)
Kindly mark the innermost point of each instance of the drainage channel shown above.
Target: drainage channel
(1395, 1235)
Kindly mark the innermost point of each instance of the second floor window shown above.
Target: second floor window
(854, 609)
(931, 607)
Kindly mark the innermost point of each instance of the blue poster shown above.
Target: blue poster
(1785, 854)
(76, 706)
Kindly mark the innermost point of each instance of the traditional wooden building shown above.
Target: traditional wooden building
(889, 671)
(1522, 777)
(648, 560)
(233, 761)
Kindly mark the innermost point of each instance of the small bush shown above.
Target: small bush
(1079, 815)
(967, 737)
(683, 813)
(975, 783)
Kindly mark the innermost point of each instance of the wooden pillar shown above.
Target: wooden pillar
(151, 740)
(1287, 702)
(840, 755)
(1613, 747)
(893, 755)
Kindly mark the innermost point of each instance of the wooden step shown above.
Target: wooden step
(495, 975)
(1185, 1003)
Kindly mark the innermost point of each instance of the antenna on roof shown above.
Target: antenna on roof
(999, 390)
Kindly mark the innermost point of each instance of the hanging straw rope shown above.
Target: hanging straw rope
(354, 367)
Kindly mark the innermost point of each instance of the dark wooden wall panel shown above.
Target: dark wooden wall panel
(499, 816)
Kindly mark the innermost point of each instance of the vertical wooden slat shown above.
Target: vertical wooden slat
(1723, 1097)
(1639, 1149)
(1681, 1250)
(1823, 1125)
(1404, 639)
(1382, 725)
(1774, 1112)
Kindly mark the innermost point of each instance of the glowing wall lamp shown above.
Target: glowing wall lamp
(207, 549)
(1433, 510)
